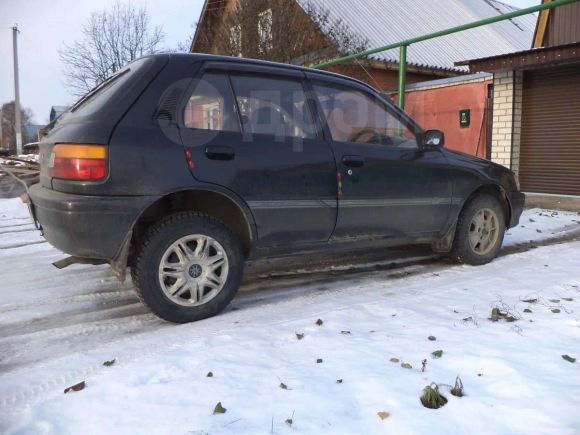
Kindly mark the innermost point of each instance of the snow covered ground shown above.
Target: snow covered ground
(57, 327)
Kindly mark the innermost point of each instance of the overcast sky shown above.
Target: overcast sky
(44, 25)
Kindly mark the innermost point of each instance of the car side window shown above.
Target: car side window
(354, 116)
(273, 106)
(211, 105)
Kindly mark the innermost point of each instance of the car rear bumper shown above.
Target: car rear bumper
(517, 201)
(85, 226)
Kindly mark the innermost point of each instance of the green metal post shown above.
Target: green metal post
(402, 75)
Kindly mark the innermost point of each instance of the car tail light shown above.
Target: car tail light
(79, 162)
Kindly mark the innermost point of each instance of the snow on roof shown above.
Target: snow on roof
(383, 22)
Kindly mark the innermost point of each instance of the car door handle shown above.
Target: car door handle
(216, 152)
(353, 161)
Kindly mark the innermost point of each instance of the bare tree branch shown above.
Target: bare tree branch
(185, 46)
(111, 39)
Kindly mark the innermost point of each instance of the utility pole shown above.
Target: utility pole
(17, 120)
(1, 135)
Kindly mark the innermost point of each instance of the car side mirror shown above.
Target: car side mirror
(433, 139)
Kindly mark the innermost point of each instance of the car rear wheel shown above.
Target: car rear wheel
(480, 231)
(188, 268)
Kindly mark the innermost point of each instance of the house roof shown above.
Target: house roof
(32, 129)
(58, 108)
(56, 111)
(383, 22)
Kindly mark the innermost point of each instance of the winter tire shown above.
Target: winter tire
(480, 231)
(188, 267)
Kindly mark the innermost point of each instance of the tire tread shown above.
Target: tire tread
(151, 233)
(459, 250)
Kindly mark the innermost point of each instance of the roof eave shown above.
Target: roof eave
(416, 67)
(201, 17)
(526, 59)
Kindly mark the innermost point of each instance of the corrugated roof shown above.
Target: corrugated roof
(384, 22)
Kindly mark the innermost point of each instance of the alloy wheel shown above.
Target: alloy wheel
(483, 231)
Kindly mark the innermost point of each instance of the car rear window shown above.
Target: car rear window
(112, 89)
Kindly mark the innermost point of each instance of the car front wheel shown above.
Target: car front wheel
(188, 268)
(480, 231)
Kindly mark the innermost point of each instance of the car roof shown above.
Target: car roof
(242, 60)
(187, 57)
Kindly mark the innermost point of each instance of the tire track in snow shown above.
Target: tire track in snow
(101, 311)
(87, 297)
(22, 245)
(88, 366)
(252, 293)
(255, 295)
(567, 237)
(24, 350)
(306, 275)
(134, 350)
(16, 225)
(25, 230)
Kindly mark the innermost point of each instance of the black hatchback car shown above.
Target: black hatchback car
(182, 166)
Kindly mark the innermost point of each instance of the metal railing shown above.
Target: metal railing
(402, 45)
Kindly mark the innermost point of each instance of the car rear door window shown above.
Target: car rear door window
(355, 116)
(273, 106)
(211, 105)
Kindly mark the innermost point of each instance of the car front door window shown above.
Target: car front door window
(354, 116)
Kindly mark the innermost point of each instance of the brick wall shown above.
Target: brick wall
(517, 120)
(507, 118)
